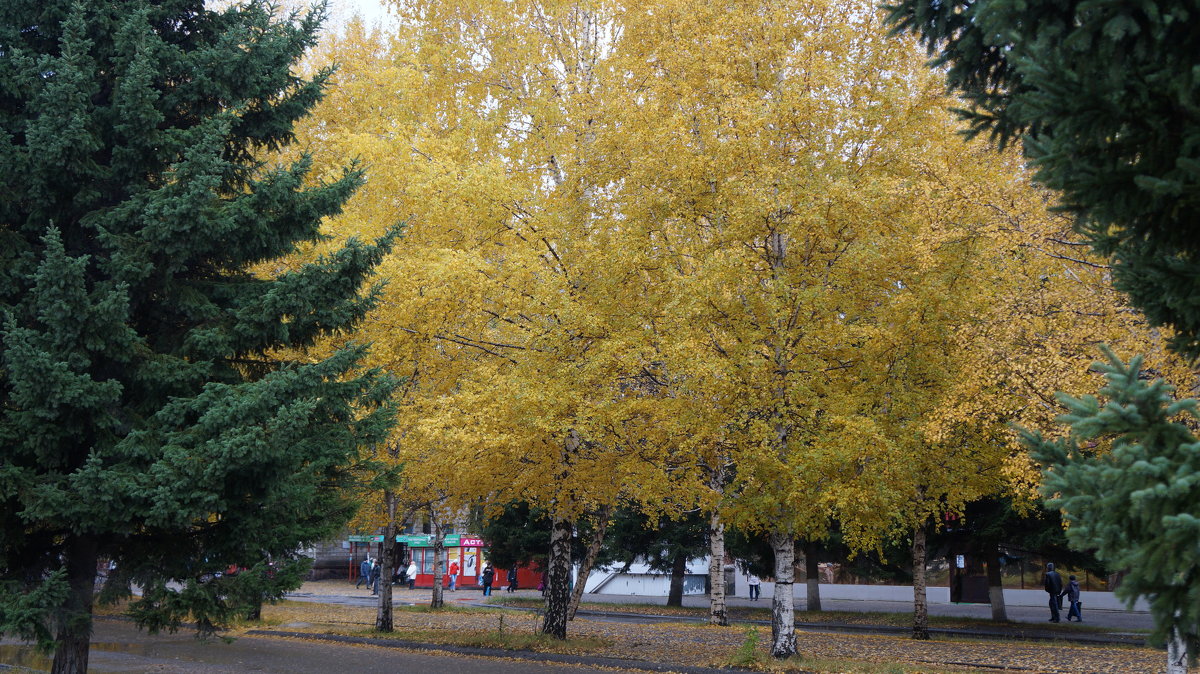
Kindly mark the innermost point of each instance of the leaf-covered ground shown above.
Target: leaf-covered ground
(742, 613)
(699, 644)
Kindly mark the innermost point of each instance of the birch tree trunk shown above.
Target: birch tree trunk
(387, 562)
(920, 601)
(439, 559)
(589, 558)
(75, 624)
(718, 614)
(783, 610)
(1177, 659)
(996, 584)
(812, 577)
(558, 579)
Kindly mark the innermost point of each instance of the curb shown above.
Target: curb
(586, 660)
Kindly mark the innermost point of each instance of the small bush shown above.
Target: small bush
(747, 654)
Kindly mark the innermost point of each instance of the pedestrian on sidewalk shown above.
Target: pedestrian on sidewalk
(512, 579)
(374, 581)
(1075, 607)
(453, 573)
(488, 575)
(755, 585)
(412, 574)
(1053, 584)
(364, 573)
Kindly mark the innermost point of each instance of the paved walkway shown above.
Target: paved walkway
(1112, 619)
(1119, 621)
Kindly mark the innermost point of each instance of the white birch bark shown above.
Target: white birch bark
(783, 609)
(1177, 657)
(558, 579)
(718, 614)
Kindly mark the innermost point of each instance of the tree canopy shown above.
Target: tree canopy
(150, 412)
(1104, 101)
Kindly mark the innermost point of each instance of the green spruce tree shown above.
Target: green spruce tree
(664, 544)
(147, 415)
(1103, 96)
(1136, 503)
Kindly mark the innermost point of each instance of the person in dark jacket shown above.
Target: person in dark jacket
(1053, 584)
(489, 574)
(512, 579)
(1075, 607)
(364, 573)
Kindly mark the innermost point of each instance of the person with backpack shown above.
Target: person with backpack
(489, 574)
(1072, 592)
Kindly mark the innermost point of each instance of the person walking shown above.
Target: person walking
(488, 575)
(755, 585)
(412, 574)
(364, 573)
(512, 579)
(1075, 607)
(374, 577)
(1053, 584)
(453, 573)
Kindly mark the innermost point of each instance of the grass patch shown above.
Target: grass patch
(624, 607)
(741, 614)
(753, 656)
(506, 640)
(444, 608)
(904, 620)
(396, 608)
(825, 666)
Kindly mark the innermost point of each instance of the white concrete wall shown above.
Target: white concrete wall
(641, 581)
(941, 595)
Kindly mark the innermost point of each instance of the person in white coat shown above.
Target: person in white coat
(411, 574)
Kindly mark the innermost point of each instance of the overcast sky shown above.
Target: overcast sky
(371, 10)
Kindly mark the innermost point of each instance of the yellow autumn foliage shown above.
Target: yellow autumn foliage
(645, 240)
